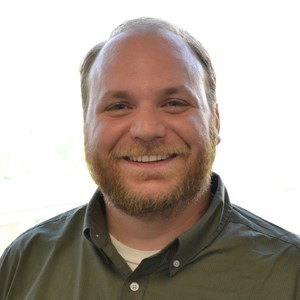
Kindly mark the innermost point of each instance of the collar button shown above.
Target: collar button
(176, 263)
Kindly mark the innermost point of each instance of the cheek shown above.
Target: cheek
(104, 136)
(192, 130)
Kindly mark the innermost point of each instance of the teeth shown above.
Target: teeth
(148, 158)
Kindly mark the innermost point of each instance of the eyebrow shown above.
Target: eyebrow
(117, 94)
(179, 90)
(173, 90)
(164, 92)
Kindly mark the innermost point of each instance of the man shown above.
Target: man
(161, 225)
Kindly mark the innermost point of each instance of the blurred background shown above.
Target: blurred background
(254, 46)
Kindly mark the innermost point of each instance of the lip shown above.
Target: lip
(149, 158)
(149, 161)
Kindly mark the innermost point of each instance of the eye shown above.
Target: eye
(118, 109)
(175, 103)
(118, 106)
(175, 106)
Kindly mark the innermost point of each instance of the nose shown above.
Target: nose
(147, 125)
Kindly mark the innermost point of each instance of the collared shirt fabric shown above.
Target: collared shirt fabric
(229, 254)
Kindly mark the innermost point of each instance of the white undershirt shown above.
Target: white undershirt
(133, 257)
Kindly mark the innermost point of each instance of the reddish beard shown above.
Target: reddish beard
(194, 180)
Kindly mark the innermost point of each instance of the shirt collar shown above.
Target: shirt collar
(205, 231)
(189, 244)
(95, 227)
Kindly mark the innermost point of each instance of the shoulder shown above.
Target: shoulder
(49, 230)
(260, 229)
(41, 250)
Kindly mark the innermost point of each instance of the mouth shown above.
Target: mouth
(149, 158)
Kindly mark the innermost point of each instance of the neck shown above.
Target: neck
(154, 231)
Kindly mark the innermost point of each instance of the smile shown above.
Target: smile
(149, 158)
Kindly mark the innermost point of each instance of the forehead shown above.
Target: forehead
(130, 48)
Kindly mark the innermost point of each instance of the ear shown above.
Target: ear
(217, 123)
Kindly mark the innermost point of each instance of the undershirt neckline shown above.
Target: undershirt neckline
(133, 257)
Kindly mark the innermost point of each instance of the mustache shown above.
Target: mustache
(141, 150)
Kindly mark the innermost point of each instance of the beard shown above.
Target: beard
(193, 183)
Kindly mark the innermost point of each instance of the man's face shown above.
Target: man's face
(150, 136)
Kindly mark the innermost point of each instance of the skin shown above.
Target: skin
(147, 102)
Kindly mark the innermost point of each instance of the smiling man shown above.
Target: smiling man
(161, 224)
(148, 130)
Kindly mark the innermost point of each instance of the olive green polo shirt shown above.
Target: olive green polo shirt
(229, 254)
